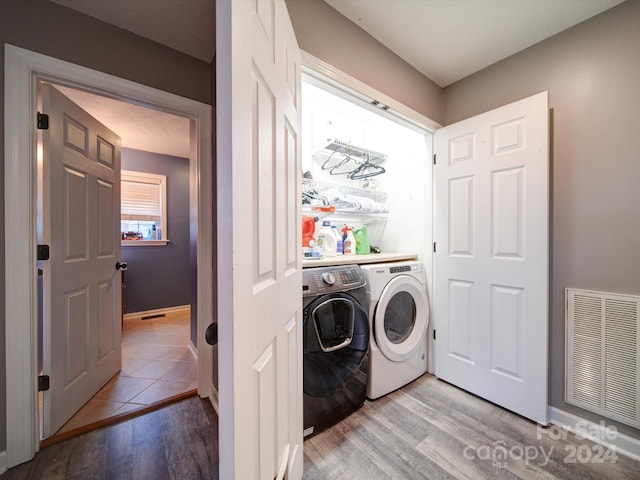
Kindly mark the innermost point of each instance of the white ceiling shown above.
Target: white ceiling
(446, 40)
(138, 127)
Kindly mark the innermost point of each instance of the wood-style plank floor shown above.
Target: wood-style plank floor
(427, 430)
(176, 442)
(433, 430)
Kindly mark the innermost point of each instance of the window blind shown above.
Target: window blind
(141, 200)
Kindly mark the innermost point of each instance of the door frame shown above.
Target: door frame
(23, 69)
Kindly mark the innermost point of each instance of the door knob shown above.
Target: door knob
(121, 266)
(211, 334)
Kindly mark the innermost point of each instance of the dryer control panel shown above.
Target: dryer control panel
(331, 279)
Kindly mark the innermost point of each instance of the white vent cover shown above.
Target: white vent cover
(602, 354)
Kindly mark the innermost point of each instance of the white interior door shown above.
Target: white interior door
(259, 241)
(82, 297)
(491, 260)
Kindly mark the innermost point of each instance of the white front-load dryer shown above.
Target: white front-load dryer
(399, 317)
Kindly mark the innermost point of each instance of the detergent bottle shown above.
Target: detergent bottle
(339, 242)
(326, 240)
(348, 241)
(309, 247)
(308, 229)
(362, 241)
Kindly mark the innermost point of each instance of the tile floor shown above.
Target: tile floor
(157, 363)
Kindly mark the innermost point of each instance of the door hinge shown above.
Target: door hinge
(43, 252)
(43, 383)
(42, 120)
(434, 333)
(434, 247)
(434, 158)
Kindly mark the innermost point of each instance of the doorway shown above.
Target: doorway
(158, 359)
(23, 69)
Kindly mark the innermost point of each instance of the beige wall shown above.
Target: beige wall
(327, 35)
(47, 28)
(592, 73)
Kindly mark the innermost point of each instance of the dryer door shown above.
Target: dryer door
(401, 318)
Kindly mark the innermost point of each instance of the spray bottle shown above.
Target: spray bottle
(348, 240)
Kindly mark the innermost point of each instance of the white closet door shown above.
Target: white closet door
(491, 260)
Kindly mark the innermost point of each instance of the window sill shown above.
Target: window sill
(144, 243)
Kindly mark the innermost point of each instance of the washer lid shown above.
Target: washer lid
(401, 318)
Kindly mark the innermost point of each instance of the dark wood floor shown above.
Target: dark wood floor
(176, 442)
(427, 430)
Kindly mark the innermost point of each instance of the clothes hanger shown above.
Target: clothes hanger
(346, 159)
(366, 170)
(327, 166)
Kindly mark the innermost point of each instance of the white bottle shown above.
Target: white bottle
(339, 247)
(326, 240)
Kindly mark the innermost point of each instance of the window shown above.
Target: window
(143, 208)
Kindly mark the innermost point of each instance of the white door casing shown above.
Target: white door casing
(23, 69)
(81, 224)
(491, 263)
(259, 242)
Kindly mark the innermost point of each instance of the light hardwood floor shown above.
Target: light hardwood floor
(433, 430)
(427, 430)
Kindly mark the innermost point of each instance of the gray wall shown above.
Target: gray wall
(327, 35)
(158, 276)
(592, 73)
(47, 28)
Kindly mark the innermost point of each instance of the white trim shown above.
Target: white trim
(22, 69)
(192, 349)
(623, 444)
(213, 398)
(144, 243)
(3, 462)
(358, 89)
(176, 309)
(20, 285)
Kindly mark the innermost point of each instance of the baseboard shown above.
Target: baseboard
(3, 462)
(601, 433)
(178, 309)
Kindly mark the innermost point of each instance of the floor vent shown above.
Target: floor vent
(602, 354)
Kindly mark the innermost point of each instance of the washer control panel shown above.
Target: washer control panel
(331, 279)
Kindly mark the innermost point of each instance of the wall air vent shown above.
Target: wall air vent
(602, 355)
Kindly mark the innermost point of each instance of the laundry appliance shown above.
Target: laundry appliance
(399, 317)
(335, 344)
